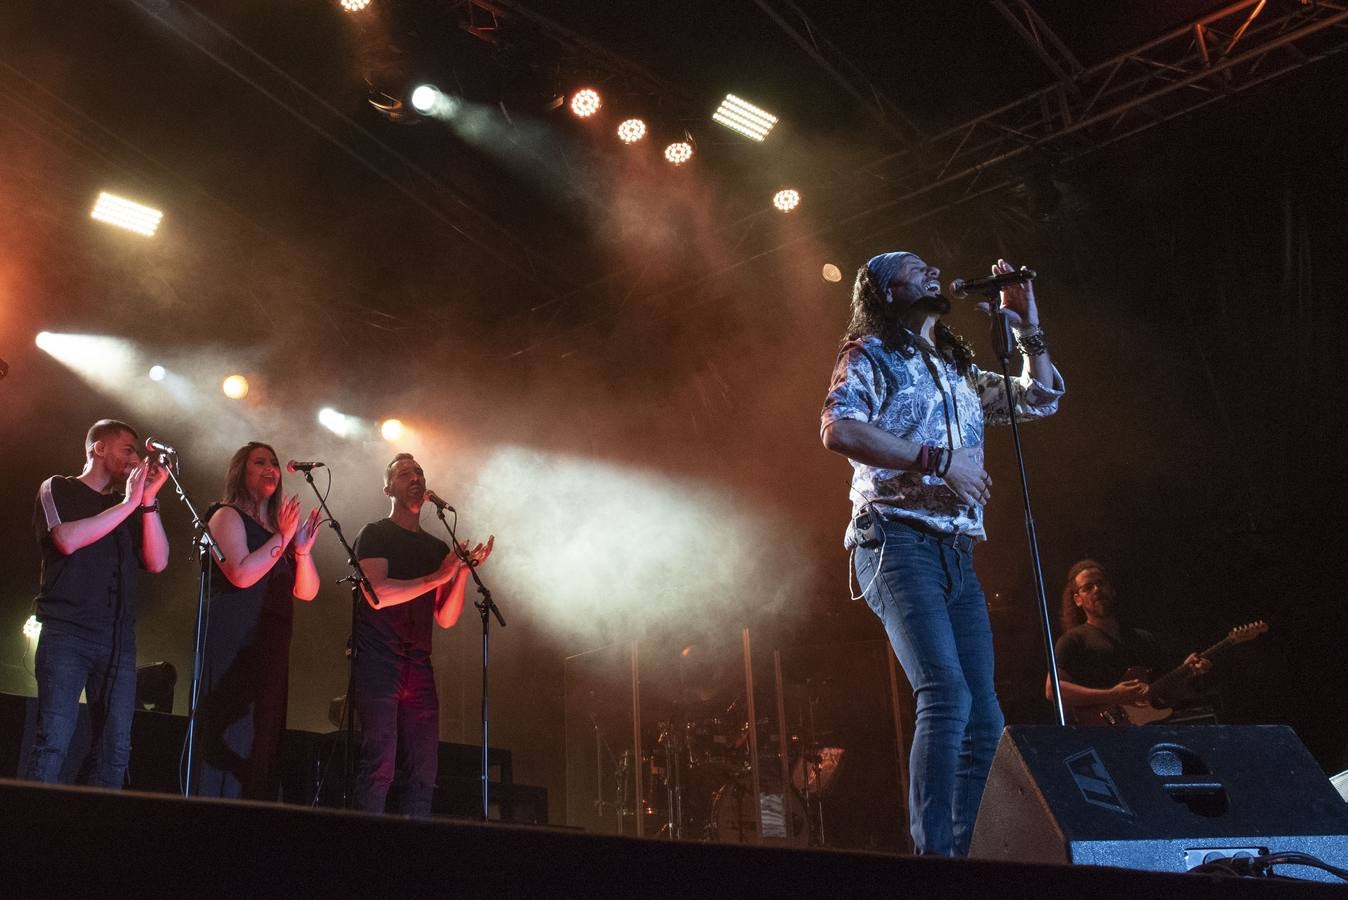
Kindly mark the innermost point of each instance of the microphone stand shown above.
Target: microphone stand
(1003, 346)
(357, 580)
(486, 608)
(207, 547)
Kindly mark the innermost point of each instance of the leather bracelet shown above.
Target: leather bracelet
(154, 507)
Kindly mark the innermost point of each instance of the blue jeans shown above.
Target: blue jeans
(399, 715)
(66, 665)
(931, 604)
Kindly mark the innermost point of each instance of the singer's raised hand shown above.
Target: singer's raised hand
(1017, 299)
(135, 486)
(288, 518)
(478, 555)
(307, 531)
(155, 477)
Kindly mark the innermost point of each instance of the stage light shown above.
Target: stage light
(32, 628)
(334, 421)
(235, 387)
(354, 5)
(786, 200)
(632, 131)
(831, 273)
(425, 98)
(743, 117)
(391, 429)
(124, 214)
(157, 373)
(679, 152)
(585, 103)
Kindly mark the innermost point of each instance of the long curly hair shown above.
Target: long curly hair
(1069, 614)
(872, 315)
(236, 494)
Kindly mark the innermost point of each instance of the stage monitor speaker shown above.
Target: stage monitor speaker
(1160, 798)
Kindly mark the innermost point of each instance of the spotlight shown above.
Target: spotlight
(831, 273)
(354, 5)
(334, 421)
(679, 152)
(743, 117)
(786, 200)
(235, 387)
(585, 103)
(426, 99)
(157, 373)
(106, 362)
(32, 628)
(124, 214)
(632, 131)
(391, 429)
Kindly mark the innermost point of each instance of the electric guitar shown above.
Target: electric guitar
(1156, 707)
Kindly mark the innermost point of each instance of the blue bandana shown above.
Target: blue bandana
(884, 267)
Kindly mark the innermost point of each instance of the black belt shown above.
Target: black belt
(957, 540)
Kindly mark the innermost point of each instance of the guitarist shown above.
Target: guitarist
(1096, 649)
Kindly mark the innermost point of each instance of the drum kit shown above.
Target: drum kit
(698, 782)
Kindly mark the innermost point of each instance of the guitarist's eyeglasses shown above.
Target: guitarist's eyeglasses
(1089, 586)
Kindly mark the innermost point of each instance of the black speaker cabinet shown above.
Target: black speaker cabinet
(1159, 798)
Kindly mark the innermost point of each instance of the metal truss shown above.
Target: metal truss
(1209, 59)
(1233, 49)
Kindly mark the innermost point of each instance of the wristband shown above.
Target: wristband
(153, 507)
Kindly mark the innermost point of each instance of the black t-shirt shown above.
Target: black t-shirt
(404, 629)
(1092, 658)
(91, 592)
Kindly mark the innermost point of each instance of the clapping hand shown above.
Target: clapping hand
(478, 555)
(307, 532)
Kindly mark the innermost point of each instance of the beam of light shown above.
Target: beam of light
(105, 362)
(743, 117)
(32, 628)
(157, 373)
(235, 387)
(631, 131)
(124, 213)
(391, 429)
(786, 200)
(679, 152)
(585, 103)
(594, 548)
(831, 273)
(429, 100)
(338, 423)
(353, 6)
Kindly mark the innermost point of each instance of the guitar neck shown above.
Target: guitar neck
(1178, 674)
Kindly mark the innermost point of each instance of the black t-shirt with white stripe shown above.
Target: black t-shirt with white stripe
(91, 592)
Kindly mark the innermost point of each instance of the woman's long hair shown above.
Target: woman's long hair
(236, 494)
(872, 315)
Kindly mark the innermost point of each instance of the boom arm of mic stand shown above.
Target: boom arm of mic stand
(357, 577)
(207, 540)
(486, 603)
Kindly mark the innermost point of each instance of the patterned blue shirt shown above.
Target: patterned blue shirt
(923, 398)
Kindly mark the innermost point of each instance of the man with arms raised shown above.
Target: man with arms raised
(93, 540)
(417, 580)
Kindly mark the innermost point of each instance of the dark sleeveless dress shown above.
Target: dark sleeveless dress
(245, 678)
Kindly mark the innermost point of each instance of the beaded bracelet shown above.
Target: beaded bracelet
(1031, 342)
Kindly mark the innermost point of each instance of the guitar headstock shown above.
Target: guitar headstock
(1247, 632)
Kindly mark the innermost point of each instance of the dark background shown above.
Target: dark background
(598, 370)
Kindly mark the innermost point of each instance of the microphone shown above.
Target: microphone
(153, 446)
(961, 288)
(295, 466)
(439, 504)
